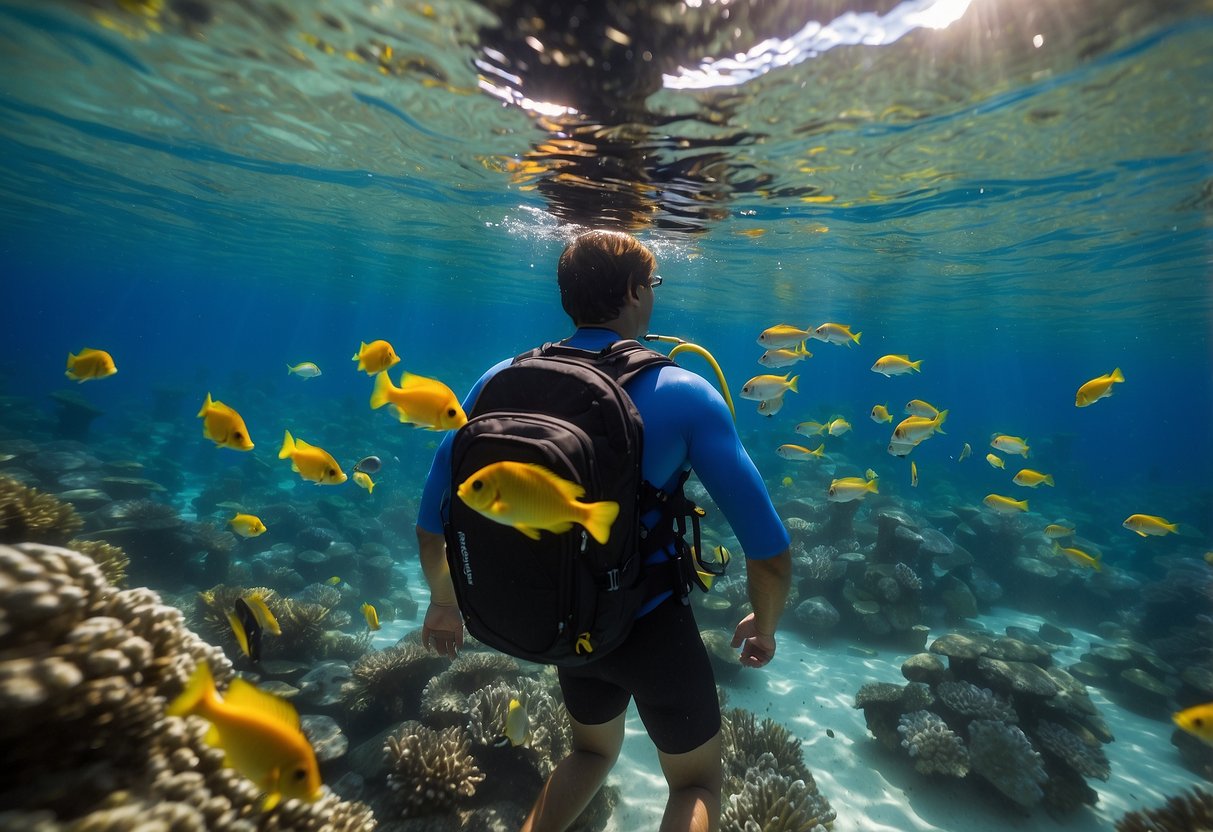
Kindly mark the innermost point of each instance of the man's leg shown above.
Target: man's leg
(695, 783)
(577, 778)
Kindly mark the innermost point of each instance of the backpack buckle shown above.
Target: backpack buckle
(612, 580)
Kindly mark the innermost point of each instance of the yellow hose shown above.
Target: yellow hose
(687, 346)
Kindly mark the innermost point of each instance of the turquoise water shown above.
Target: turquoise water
(212, 199)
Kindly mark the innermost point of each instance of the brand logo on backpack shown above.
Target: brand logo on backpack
(554, 593)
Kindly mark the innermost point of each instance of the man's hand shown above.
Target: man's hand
(757, 649)
(442, 629)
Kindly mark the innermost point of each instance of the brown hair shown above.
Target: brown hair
(597, 271)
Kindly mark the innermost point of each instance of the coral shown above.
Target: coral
(211, 606)
(1083, 757)
(143, 515)
(322, 594)
(303, 627)
(551, 734)
(743, 741)
(1002, 754)
(773, 802)
(818, 564)
(933, 745)
(29, 515)
(345, 647)
(430, 771)
(112, 559)
(1188, 812)
(447, 692)
(907, 577)
(968, 700)
(386, 684)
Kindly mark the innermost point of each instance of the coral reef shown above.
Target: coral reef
(1188, 812)
(969, 701)
(770, 801)
(386, 684)
(936, 749)
(551, 736)
(85, 671)
(1085, 758)
(744, 741)
(430, 771)
(28, 515)
(446, 695)
(1002, 754)
(112, 559)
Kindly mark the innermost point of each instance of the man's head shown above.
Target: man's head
(605, 279)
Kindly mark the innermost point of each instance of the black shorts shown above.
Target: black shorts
(662, 665)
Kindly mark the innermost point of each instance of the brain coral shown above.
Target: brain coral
(933, 745)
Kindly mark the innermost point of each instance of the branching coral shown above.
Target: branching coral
(744, 741)
(1084, 758)
(907, 577)
(447, 692)
(386, 684)
(1003, 755)
(112, 559)
(551, 734)
(29, 515)
(936, 749)
(430, 771)
(1188, 812)
(772, 802)
(967, 700)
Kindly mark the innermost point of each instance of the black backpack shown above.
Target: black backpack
(563, 599)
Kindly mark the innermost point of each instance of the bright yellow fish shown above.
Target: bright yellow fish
(247, 525)
(1009, 444)
(363, 479)
(784, 357)
(531, 498)
(851, 488)
(964, 452)
(420, 401)
(896, 365)
(995, 461)
(370, 614)
(787, 482)
(913, 474)
(224, 426)
(259, 734)
(915, 429)
(89, 364)
(762, 388)
(871, 474)
(836, 334)
(917, 407)
(375, 357)
(1078, 557)
(1056, 531)
(810, 429)
(517, 724)
(311, 463)
(1097, 388)
(837, 427)
(261, 611)
(1030, 479)
(1197, 721)
(1149, 524)
(799, 452)
(334, 581)
(1005, 505)
(880, 414)
(782, 336)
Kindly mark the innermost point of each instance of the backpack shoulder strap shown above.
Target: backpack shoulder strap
(622, 360)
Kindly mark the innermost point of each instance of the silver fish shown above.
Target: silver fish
(369, 465)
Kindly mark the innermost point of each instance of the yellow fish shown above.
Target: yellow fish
(1097, 388)
(810, 428)
(364, 481)
(370, 614)
(1056, 531)
(896, 365)
(247, 525)
(375, 357)
(334, 581)
(1005, 505)
(782, 336)
(784, 357)
(850, 488)
(964, 452)
(762, 388)
(870, 474)
(901, 448)
(517, 724)
(917, 407)
(246, 628)
(799, 451)
(995, 461)
(837, 427)
(261, 610)
(420, 401)
(787, 482)
(1197, 721)
(769, 407)
(1209, 558)
(1078, 557)
(917, 428)
(304, 369)
(1149, 524)
(224, 426)
(531, 498)
(718, 564)
(259, 734)
(311, 463)
(880, 414)
(913, 474)
(1009, 444)
(90, 364)
(836, 334)
(1030, 479)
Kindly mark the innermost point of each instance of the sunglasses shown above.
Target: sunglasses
(655, 281)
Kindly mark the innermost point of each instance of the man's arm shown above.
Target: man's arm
(442, 628)
(768, 581)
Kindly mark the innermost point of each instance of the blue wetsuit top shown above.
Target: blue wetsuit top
(686, 424)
